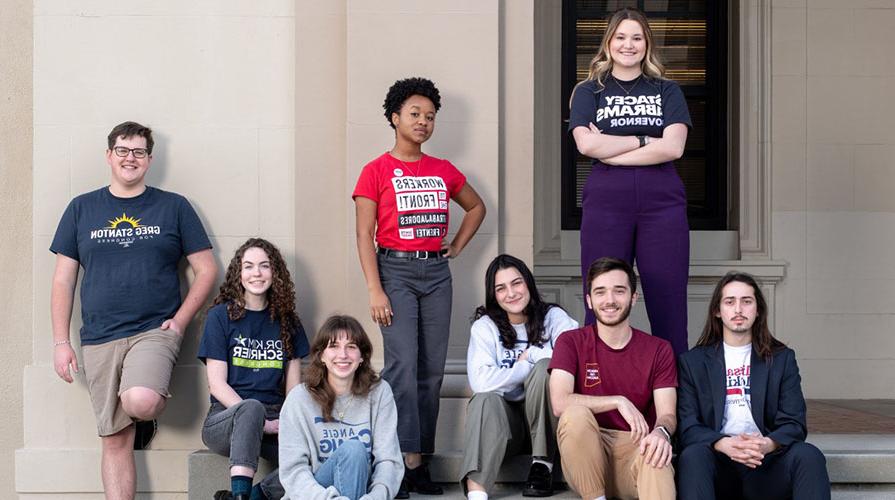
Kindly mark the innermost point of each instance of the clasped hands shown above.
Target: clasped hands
(747, 449)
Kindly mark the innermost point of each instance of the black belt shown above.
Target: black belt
(418, 254)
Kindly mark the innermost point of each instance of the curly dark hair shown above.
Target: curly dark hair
(402, 90)
(280, 295)
(535, 311)
(315, 373)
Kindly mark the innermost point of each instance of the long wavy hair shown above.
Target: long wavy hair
(535, 311)
(601, 64)
(763, 341)
(280, 295)
(315, 376)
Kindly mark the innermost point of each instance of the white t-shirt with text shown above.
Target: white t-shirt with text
(738, 404)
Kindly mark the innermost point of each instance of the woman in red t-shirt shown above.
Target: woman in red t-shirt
(402, 203)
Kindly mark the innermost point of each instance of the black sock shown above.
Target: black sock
(240, 485)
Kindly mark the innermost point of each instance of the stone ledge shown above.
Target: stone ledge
(78, 471)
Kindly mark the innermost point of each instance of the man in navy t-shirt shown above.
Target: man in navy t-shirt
(129, 238)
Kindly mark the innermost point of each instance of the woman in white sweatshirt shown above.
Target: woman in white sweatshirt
(338, 430)
(510, 345)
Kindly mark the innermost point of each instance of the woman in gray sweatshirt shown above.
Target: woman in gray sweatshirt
(338, 430)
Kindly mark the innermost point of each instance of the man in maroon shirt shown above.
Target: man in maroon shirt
(613, 389)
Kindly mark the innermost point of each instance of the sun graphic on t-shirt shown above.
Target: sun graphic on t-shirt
(134, 222)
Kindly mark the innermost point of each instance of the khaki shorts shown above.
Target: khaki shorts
(142, 360)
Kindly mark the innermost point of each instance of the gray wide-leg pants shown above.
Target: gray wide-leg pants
(497, 428)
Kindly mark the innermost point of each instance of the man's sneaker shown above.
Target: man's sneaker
(539, 482)
(144, 431)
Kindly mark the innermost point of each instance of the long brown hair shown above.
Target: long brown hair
(315, 374)
(280, 295)
(535, 311)
(763, 341)
(601, 64)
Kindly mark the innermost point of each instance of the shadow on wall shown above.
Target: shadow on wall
(454, 139)
(158, 169)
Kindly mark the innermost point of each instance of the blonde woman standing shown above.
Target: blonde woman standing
(633, 123)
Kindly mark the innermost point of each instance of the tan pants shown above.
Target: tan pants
(607, 462)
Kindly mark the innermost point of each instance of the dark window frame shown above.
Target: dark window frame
(714, 215)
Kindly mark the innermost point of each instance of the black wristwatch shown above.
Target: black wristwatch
(642, 139)
(664, 431)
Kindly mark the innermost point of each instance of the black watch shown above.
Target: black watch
(642, 139)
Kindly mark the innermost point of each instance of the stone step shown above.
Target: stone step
(856, 473)
(858, 458)
(69, 471)
(851, 459)
(505, 491)
(860, 466)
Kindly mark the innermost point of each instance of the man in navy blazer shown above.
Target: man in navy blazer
(740, 408)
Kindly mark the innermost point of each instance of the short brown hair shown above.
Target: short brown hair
(605, 264)
(131, 129)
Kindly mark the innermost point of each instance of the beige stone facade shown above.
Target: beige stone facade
(266, 111)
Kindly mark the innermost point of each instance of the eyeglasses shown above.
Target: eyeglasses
(123, 152)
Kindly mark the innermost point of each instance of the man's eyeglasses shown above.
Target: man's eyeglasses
(123, 152)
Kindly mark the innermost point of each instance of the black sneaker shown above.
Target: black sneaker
(539, 482)
(418, 480)
(144, 431)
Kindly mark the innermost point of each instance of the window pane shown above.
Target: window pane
(680, 31)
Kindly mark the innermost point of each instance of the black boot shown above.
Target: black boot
(402, 490)
(418, 480)
(539, 482)
(228, 495)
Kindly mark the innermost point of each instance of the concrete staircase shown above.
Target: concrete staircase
(62, 459)
(861, 466)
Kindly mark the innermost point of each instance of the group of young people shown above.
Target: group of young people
(605, 399)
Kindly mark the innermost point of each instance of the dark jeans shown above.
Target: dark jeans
(238, 432)
(798, 472)
(416, 342)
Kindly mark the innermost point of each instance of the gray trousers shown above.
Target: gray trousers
(238, 432)
(416, 342)
(497, 428)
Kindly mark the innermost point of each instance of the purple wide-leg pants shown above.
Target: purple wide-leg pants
(639, 214)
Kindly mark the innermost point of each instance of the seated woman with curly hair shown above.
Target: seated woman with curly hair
(251, 347)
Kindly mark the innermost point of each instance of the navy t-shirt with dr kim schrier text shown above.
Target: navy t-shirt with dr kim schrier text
(254, 353)
(130, 249)
(644, 106)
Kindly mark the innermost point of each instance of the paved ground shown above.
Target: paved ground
(851, 416)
